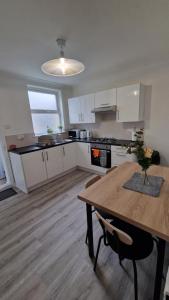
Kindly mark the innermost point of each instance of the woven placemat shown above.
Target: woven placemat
(136, 183)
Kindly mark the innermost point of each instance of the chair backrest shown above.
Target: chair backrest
(123, 237)
(92, 181)
(111, 169)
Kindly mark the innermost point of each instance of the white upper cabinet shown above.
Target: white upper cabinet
(87, 105)
(80, 109)
(74, 110)
(130, 103)
(105, 98)
(129, 100)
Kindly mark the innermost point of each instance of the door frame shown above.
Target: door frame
(6, 161)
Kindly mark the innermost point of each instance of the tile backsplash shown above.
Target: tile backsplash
(106, 126)
(27, 139)
(21, 140)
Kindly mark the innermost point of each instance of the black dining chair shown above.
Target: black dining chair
(127, 241)
(102, 213)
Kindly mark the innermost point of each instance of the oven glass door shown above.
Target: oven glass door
(101, 157)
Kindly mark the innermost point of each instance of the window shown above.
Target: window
(45, 111)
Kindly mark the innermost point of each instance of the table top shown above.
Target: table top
(146, 212)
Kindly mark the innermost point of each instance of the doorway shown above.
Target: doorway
(2, 173)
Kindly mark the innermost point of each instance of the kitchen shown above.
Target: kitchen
(84, 108)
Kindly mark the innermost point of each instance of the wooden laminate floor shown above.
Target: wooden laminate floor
(43, 255)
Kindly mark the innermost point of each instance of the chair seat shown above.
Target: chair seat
(142, 241)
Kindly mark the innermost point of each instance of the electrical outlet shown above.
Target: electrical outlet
(20, 137)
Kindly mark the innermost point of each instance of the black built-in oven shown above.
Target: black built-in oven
(101, 155)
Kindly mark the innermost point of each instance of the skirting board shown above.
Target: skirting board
(92, 171)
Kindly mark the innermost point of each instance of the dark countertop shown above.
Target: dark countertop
(36, 147)
(113, 143)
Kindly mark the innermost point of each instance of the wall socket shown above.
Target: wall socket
(20, 137)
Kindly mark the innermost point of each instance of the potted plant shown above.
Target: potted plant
(49, 130)
(142, 153)
(60, 127)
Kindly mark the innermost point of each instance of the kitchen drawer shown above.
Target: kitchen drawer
(119, 155)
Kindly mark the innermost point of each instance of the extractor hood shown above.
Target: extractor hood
(100, 109)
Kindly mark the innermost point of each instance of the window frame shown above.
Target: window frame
(58, 110)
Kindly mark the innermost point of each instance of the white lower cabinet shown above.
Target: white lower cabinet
(31, 169)
(69, 156)
(83, 155)
(34, 167)
(37, 167)
(119, 155)
(54, 161)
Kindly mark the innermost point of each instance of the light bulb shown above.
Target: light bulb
(136, 93)
(62, 65)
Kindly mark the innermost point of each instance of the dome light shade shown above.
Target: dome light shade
(62, 67)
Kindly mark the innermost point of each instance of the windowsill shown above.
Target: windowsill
(54, 133)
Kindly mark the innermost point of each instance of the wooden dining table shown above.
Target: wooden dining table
(143, 211)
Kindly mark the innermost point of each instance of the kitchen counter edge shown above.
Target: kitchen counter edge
(33, 148)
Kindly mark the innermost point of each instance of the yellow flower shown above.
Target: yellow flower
(148, 152)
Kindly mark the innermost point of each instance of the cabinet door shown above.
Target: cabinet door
(83, 155)
(69, 156)
(34, 168)
(74, 110)
(119, 156)
(128, 103)
(54, 161)
(87, 105)
(105, 98)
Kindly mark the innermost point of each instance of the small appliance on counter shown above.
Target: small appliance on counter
(74, 133)
(83, 134)
(88, 134)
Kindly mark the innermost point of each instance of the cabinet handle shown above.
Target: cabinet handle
(47, 155)
(42, 156)
(88, 148)
(82, 117)
(117, 114)
(79, 117)
(105, 104)
(63, 151)
(120, 154)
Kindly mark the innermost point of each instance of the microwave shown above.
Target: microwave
(74, 133)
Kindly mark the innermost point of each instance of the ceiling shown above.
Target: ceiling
(107, 36)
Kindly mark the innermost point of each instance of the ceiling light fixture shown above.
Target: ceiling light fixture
(62, 67)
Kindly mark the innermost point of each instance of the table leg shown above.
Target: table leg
(90, 230)
(159, 269)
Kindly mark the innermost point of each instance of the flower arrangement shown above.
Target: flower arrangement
(142, 153)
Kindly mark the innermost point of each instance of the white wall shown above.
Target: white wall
(156, 109)
(15, 117)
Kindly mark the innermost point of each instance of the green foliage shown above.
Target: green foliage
(49, 130)
(137, 148)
